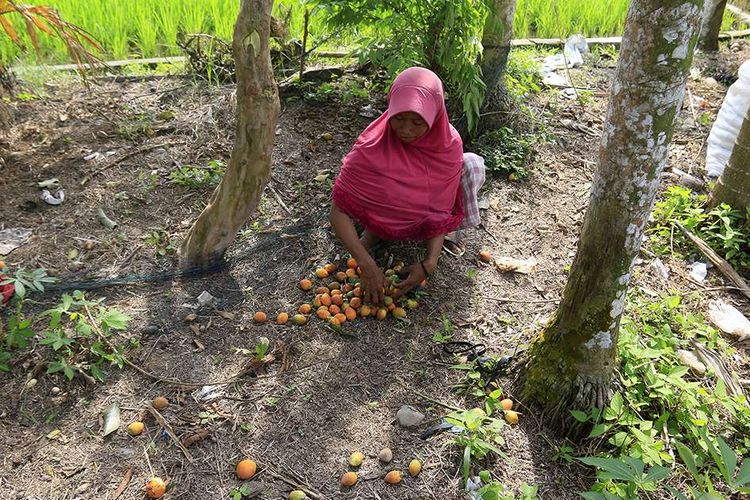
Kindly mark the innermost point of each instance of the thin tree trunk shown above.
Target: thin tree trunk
(498, 32)
(496, 40)
(713, 13)
(237, 196)
(496, 43)
(733, 186)
(571, 364)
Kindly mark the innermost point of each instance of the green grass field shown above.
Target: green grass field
(149, 28)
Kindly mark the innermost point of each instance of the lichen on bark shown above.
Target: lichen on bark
(571, 365)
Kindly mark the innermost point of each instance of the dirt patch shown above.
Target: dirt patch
(340, 393)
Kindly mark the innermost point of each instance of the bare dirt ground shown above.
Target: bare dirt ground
(328, 394)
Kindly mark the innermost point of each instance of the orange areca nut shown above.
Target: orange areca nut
(305, 284)
(282, 318)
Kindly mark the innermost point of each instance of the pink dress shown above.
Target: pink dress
(399, 190)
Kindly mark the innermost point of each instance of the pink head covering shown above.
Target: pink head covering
(400, 190)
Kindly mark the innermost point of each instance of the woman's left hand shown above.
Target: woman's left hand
(415, 276)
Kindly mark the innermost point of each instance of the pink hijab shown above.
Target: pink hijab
(405, 191)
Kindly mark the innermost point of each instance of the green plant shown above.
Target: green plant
(622, 478)
(443, 35)
(198, 177)
(445, 332)
(724, 459)
(18, 332)
(160, 240)
(658, 400)
(80, 335)
(480, 436)
(505, 152)
(725, 230)
(493, 490)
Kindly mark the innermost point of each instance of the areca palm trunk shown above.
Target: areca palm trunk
(733, 186)
(713, 13)
(571, 364)
(239, 191)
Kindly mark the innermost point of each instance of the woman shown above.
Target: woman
(402, 181)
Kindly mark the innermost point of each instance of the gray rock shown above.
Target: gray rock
(409, 417)
(689, 359)
(150, 329)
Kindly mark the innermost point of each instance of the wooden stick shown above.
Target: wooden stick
(123, 484)
(722, 265)
(295, 483)
(163, 422)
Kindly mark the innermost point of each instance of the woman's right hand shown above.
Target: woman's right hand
(372, 282)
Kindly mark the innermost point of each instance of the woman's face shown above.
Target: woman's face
(408, 126)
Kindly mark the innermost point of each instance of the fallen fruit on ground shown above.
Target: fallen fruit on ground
(349, 479)
(382, 313)
(415, 467)
(305, 309)
(155, 487)
(299, 319)
(511, 417)
(385, 455)
(393, 477)
(351, 263)
(399, 312)
(160, 403)
(282, 318)
(330, 268)
(297, 495)
(321, 273)
(259, 317)
(506, 404)
(485, 256)
(246, 469)
(135, 428)
(305, 284)
(356, 458)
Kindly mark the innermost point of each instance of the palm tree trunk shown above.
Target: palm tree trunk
(571, 364)
(711, 25)
(733, 186)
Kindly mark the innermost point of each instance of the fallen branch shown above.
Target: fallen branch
(123, 484)
(130, 155)
(293, 482)
(722, 265)
(165, 425)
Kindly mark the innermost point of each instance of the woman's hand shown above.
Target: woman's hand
(372, 282)
(416, 274)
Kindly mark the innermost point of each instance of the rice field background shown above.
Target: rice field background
(150, 28)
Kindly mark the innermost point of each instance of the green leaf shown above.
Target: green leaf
(598, 430)
(593, 495)
(743, 476)
(114, 319)
(728, 457)
(579, 415)
(688, 458)
(657, 473)
(466, 463)
(611, 468)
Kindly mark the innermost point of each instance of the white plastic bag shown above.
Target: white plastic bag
(728, 122)
(729, 319)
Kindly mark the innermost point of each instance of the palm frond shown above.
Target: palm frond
(40, 18)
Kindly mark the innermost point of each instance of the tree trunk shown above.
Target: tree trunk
(733, 186)
(571, 364)
(498, 32)
(237, 196)
(713, 13)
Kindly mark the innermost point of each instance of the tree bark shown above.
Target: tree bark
(496, 40)
(713, 13)
(571, 364)
(733, 186)
(239, 191)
